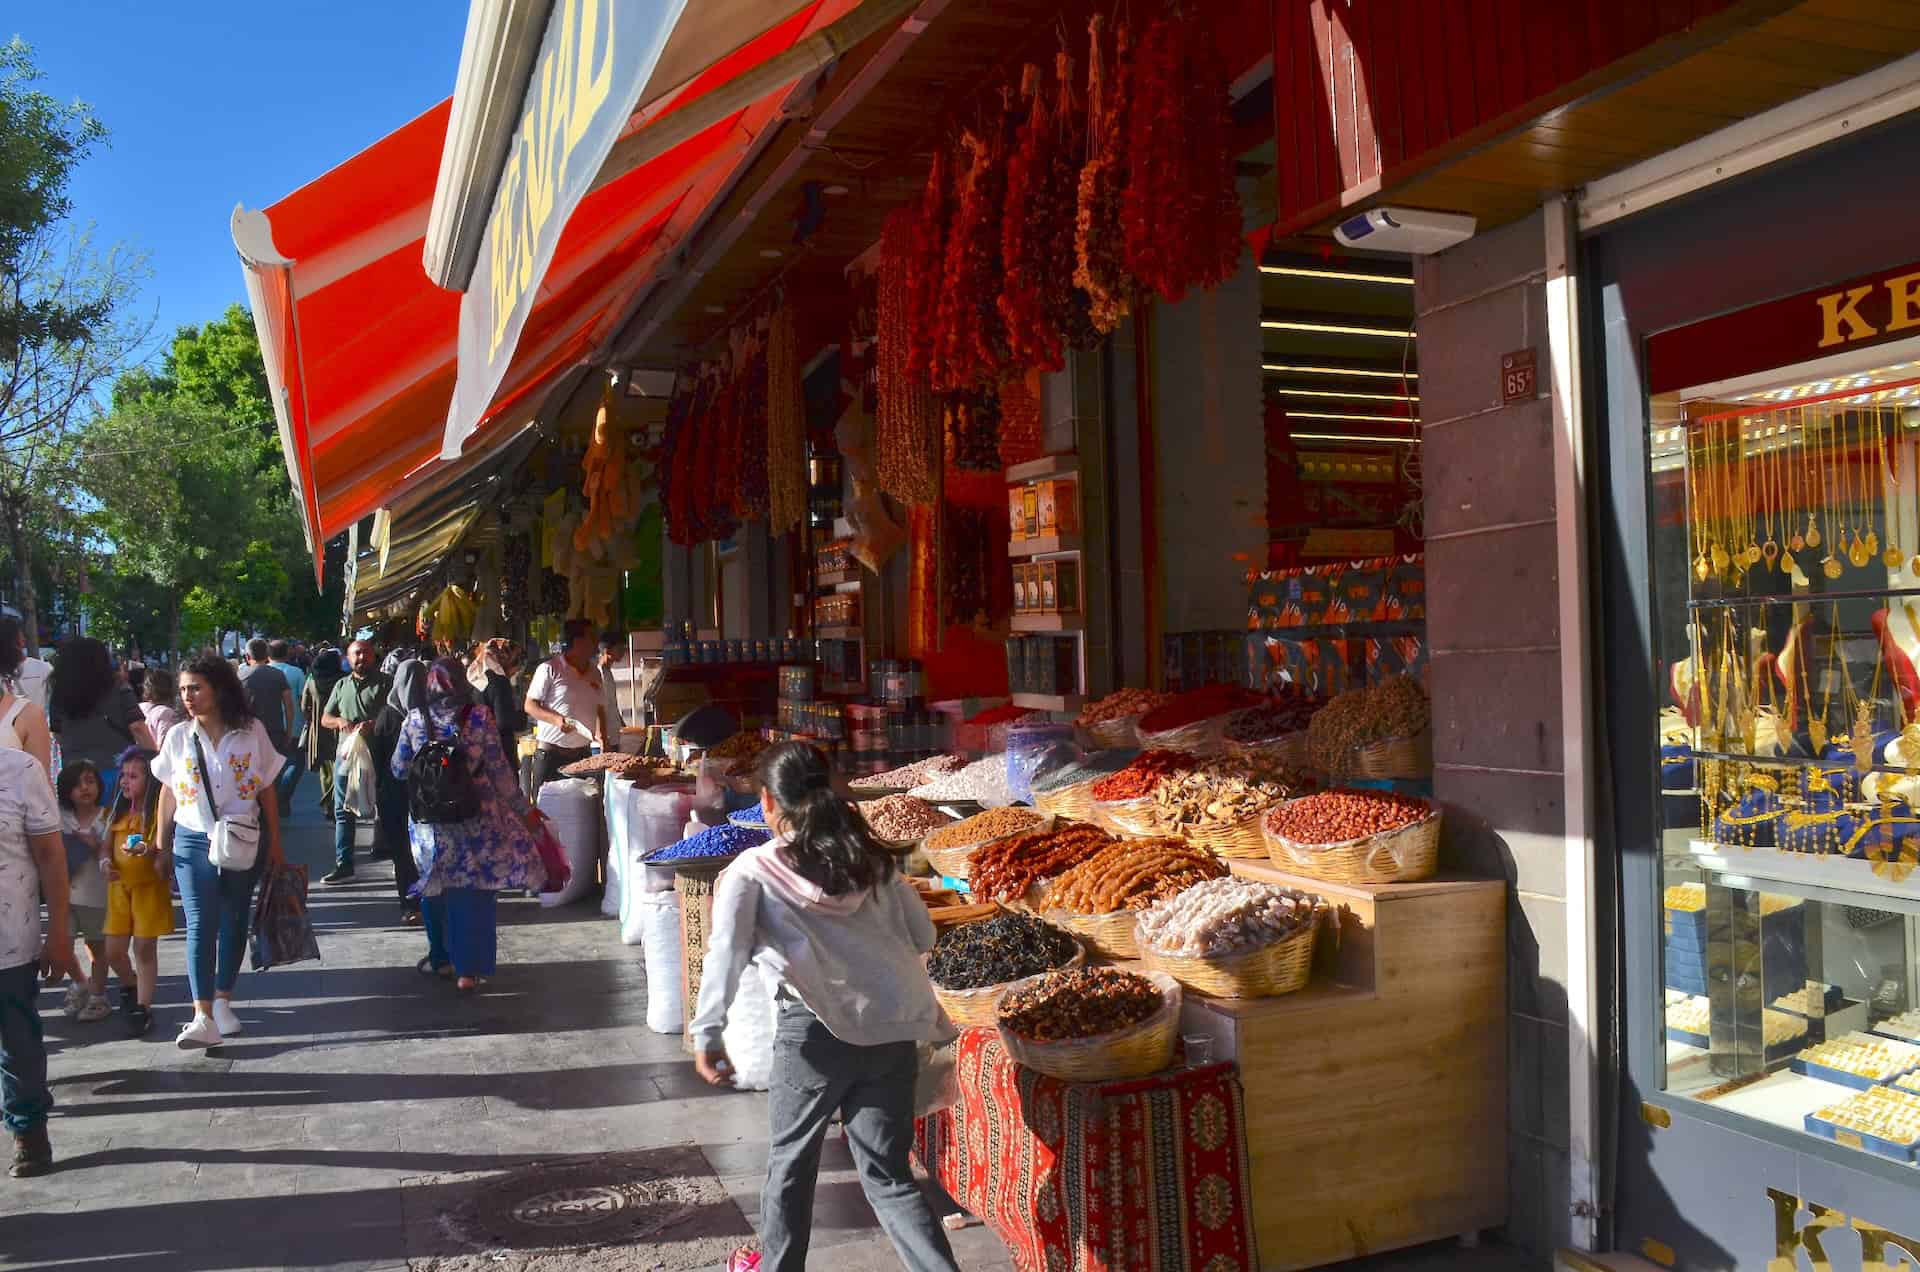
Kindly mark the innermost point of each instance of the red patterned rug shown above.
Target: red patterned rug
(1145, 1173)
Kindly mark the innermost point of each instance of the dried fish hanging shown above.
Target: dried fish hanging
(786, 425)
(1180, 209)
(906, 416)
(1099, 234)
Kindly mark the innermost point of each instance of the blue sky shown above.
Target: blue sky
(211, 103)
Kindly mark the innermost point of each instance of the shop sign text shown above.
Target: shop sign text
(1790, 1239)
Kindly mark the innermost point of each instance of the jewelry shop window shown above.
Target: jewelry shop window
(1786, 574)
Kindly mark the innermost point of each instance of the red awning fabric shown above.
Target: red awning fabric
(360, 344)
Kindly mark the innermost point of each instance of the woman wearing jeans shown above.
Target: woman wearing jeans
(243, 763)
(821, 909)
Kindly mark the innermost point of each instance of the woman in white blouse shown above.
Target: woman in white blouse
(224, 737)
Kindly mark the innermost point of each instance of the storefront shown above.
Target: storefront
(1759, 503)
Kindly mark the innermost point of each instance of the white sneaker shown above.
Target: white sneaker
(224, 1019)
(198, 1033)
(77, 998)
(97, 1008)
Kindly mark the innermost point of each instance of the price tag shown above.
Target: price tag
(1519, 376)
(1846, 1139)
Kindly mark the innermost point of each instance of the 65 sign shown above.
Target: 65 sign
(1519, 376)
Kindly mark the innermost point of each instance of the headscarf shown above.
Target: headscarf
(328, 666)
(487, 660)
(408, 692)
(447, 684)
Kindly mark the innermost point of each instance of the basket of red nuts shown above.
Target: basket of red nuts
(1355, 836)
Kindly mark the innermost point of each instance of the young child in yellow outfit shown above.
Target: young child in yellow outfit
(139, 905)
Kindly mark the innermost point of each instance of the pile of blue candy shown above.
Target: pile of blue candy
(717, 841)
(749, 819)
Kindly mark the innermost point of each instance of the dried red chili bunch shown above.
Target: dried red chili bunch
(925, 255)
(1099, 249)
(972, 346)
(1180, 209)
(1026, 235)
(750, 435)
(906, 418)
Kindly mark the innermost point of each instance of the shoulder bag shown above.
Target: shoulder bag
(233, 842)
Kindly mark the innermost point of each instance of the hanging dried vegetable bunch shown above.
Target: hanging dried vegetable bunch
(676, 449)
(1033, 198)
(786, 425)
(1099, 239)
(973, 430)
(1180, 209)
(715, 475)
(603, 481)
(926, 267)
(906, 425)
(967, 564)
(1020, 438)
(972, 345)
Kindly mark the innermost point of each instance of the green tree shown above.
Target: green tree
(66, 323)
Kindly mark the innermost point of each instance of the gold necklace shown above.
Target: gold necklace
(1862, 551)
(1817, 729)
(1750, 501)
(1697, 518)
(1718, 553)
(1794, 460)
(1770, 500)
(1830, 565)
(1892, 557)
(1809, 471)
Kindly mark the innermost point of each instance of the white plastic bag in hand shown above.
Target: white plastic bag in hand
(354, 773)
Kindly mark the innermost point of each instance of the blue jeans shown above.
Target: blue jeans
(218, 904)
(343, 824)
(24, 1097)
(462, 930)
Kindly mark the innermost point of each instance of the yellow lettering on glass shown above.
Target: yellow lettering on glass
(1790, 1239)
(1838, 310)
(1903, 296)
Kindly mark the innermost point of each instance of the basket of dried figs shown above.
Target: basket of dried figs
(1092, 1024)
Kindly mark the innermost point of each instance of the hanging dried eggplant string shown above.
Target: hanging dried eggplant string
(906, 417)
(1066, 305)
(786, 424)
(1180, 208)
(1032, 340)
(750, 433)
(1099, 234)
(973, 339)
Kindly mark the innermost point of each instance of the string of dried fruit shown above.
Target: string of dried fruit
(973, 338)
(1068, 307)
(1032, 339)
(1131, 874)
(1099, 238)
(926, 258)
(906, 425)
(712, 462)
(514, 568)
(786, 425)
(675, 467)
(1004, 869)
(1181, 210)
(750, 435)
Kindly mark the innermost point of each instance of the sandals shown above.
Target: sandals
(426, 968)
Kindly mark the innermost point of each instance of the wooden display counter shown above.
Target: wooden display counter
(1376, 1098)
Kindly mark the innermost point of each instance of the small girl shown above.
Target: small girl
(83, 827)
(822, 907)
(139, 903)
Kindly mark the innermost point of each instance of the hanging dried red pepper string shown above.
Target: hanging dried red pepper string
(906, 417)
(925, 264)
(1099, 234)
(1026, 236)
(786, 425)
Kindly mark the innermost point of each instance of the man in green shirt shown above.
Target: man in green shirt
(351, 708)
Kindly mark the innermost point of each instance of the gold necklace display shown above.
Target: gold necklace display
(1796, 463)
(1862, 552)
(1892, 556)
(1832, 489)
(1770, 498)
(1697, 511)
(1811, 473)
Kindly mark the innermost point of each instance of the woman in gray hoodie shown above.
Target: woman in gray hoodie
(821, 909)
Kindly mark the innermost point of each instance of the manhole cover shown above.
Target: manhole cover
(665, 1202)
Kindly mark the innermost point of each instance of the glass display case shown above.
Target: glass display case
(1786, 613)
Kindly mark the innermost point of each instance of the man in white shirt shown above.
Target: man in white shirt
(568, 703)
(32, 862)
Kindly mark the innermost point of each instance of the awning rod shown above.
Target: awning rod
(808, 55)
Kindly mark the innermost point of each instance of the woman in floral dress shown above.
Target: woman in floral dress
(464, 865)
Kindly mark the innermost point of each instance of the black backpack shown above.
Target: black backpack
(441, 785)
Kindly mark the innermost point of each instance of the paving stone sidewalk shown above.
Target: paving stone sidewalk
(362, 1117)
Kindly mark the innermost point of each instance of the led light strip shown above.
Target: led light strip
(1342, 415)
(1334, 329)
(1361, 372)
(1296, 271)
(1366, 438)
(1356, 395)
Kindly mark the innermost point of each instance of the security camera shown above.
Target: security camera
(1409, 230)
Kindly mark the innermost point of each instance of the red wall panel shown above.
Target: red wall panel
(1364, 87)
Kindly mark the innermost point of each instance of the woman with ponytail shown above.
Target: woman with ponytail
(822, 911)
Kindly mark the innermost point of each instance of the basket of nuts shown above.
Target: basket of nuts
(1092, 1024)
(950, 848)
(1110, 722)
(1355, 836)
(1342, 734)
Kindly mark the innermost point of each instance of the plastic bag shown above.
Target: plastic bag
(356, 779)
(937, 1085)
(1034, 747)
(553, 855)
(658, 915)
(748, 1037)
(573, 818)
(280, 931)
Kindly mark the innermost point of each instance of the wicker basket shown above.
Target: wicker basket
(1243, 840)
(1407, 758)
(1133, 1052)
(1289, 750)
(1074, 802)
(955, 861)
(1109, 735)
(1272, 970)
(1136, 817)
(1202, 737)
(1109, 936)
(970, 1007)
(1395, 856)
